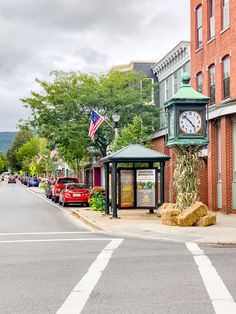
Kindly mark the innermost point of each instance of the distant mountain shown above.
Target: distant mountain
(6, 139)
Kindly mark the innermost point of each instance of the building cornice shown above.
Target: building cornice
(176, 58)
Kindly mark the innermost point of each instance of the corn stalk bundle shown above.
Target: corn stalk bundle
(187, 166)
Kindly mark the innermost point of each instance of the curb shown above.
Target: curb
(88, 221)
(93, 224)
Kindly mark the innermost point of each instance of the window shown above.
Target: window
(225, 14)
(168, 87)
(199, 82)
(226, 77)
(147, 90)
(212, 73)
(175, 82)
(211, 8)
(199, 26)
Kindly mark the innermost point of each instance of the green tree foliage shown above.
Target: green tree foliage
(21, 137)
(133, 132)
(61, 110)
(27, 155)
(3, 163)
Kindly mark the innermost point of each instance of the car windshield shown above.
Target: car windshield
(67, 180)
(76, 187)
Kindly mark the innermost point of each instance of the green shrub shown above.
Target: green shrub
(97, 198)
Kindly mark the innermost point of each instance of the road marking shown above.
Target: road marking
(56, 240)
(77, 299)
(41, 233)
(222, 300)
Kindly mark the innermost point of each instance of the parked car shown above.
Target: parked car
(49, 188)
(32, 181)
(60, 182)
(74, 193)
(11, 179)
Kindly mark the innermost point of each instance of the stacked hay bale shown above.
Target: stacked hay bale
(169, 214)
(196, 214)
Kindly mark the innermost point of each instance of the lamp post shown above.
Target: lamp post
(116, 119)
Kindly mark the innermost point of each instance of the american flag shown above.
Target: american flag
(39, 157)
(53, 153)
(96, 120)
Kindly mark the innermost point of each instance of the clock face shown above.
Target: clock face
(190, 122)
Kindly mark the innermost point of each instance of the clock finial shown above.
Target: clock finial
(185, 78)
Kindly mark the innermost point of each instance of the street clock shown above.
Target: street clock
(186, 116)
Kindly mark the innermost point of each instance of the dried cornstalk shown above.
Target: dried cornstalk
(187, 166)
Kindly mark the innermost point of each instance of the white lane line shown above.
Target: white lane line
(77, 299)
(42, 233)
(56, 240)
(222, 300)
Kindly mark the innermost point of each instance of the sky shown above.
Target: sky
(40, 36)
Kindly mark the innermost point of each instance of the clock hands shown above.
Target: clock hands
(189, 121)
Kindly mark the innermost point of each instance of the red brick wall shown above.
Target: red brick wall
(226, 155)
(212, 52)
(212, 165)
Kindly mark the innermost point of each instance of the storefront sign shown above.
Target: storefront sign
(146, 188)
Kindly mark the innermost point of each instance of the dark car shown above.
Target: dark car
(48, 189)
(60, 182)
(11, 179)
(32, 181)
(74, 193)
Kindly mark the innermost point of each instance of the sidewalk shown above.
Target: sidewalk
(141, 224)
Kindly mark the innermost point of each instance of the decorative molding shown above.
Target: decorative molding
(176, 58)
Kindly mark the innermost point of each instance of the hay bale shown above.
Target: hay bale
(166, 206)
(192, 214)
(169, 216)
(209, 219)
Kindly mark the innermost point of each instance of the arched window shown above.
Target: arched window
(199, 82)
(212, 88)
(226, 77)
(199, 25)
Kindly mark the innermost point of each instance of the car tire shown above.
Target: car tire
(63, 204)
(56, 199)
(52, 198)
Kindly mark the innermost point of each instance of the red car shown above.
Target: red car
(74, 193)
(60, 182)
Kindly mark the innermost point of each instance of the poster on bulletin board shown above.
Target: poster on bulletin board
(146, 188)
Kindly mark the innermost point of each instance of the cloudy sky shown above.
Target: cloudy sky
(38, 36)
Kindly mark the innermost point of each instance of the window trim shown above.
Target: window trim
(197, 81)
(212, 86)
(198, 27)
(223, 7)
(223, 78)
(211, 19)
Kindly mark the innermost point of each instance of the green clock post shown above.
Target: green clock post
(186, 114)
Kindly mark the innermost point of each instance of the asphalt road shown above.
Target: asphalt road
(52, 263)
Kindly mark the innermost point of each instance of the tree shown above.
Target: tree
(61, 110)
(33, 154)
(3, 163)
(135, 132)
(21, 137)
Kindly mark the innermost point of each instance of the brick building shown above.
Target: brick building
(213, 72)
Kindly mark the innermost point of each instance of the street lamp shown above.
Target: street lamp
(116, 119)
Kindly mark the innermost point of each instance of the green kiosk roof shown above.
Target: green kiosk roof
(135, 153)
